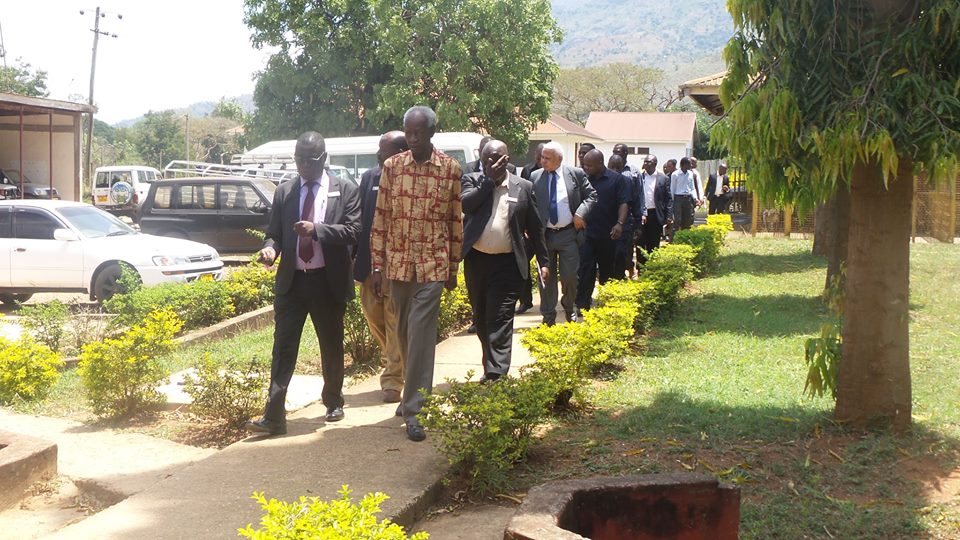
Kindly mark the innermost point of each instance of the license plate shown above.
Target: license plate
(101, 198)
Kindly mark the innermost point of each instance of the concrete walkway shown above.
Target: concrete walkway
(368, 450)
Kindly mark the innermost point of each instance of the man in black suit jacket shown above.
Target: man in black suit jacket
(379, 315)
(718, 190)
(314, 221)
(564, 225)
(499, 210)
(657, 204)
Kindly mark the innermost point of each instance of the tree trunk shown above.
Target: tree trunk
(837, 256)
(824, 232)
(873, 383)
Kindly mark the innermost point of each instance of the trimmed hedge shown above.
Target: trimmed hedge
(706, 241)
(668, 269)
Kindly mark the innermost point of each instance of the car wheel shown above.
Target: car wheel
(12, 299)
(107, 283)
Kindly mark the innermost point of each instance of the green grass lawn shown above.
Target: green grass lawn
(718, 389)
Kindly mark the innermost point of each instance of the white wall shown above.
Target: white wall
(36, 152)
(663, 151)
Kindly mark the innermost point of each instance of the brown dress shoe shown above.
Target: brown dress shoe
(391, 396)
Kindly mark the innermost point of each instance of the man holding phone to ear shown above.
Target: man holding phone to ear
(314, 221)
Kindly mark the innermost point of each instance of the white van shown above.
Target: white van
(121, 189)
(358, 154)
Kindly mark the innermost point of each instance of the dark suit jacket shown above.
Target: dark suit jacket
(712, 186)
(662, 197)
(369, 188)
(339, 230)
(474, 167)
(476, 197)
(580, 194)
(528, 170)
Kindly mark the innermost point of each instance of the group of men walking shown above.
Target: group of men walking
(403, 233)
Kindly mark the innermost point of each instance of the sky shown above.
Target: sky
(167, 54)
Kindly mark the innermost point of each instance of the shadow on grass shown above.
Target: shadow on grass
(770, 315)
(761, 264)
(800, 474)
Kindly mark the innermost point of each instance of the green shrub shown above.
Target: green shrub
(27, 369)
(639, 293)
(668, 269)
(455, 310)
(722, 221)
(120, 375)
(358, 341)
(250, 287)
(197, 304)
(567, 354)
(340, 519)
(823, 353)
(706, 242)
(229, 393)
(487, 428)
(47, 322)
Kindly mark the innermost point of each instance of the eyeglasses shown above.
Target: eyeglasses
(307, 158)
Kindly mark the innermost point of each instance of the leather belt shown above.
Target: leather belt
(310, 270)
(548, 229)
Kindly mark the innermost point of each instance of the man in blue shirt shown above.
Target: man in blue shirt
(604, 227)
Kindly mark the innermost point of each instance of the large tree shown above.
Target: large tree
(354, 66)
(159, 138)
(19, 78)
(612, 87)
(857, 95)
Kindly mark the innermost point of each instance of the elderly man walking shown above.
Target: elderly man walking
(564, 200)
(415, 243)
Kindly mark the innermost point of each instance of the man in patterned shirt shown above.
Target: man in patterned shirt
(415, 241)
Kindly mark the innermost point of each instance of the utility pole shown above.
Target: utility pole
(186, 138)
(3, 49)
(93, 69)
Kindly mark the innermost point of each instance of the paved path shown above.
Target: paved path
(367, 450)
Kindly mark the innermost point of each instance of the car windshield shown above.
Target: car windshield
(266, 187)
(93, 222)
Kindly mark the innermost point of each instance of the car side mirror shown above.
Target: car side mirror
(261, 209)
(65, 235)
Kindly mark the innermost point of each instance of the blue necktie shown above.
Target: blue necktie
(554, 215)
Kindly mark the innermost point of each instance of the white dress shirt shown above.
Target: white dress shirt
(564, 217)
(649, 186)
(319, 209)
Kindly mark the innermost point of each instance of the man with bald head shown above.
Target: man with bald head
(378, 313)
(499, 210)
(604, 229)
(314, 223)
(657, 202)
(564, 200)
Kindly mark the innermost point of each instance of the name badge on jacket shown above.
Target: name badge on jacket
(333, 194)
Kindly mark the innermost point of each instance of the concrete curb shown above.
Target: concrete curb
(23, 461)
(252, 320)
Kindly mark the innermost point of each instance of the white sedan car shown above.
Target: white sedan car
(54, 246)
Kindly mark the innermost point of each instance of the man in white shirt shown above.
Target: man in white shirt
(687, 193)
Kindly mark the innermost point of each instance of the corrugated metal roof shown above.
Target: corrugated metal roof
(558, 125)
(44, 103)
(643, 126)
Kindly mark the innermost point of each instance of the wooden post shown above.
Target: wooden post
(787, 220)
(755, 214)
(953, 208)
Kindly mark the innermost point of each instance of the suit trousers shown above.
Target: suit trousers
(718, 205)
(526, 291)
(493, 285)
(624, 253)
(650, 237)
(383, 325)
(417, 307)
(683, 207)
(309, 294)
(597, 258)
(563, 252)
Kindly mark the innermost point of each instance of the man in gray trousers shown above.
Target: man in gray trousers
(415, 240)
(564, 200)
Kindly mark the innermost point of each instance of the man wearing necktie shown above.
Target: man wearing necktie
(564, 200)
(314, 221)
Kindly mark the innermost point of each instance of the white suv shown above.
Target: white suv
(121, 189)
(51, 246)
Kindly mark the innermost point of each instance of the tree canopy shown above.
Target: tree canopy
(353, 67)
(613, 87)
(19, 78)
(814, 86)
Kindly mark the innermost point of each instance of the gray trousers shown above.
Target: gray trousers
(417, 307)
(563, 251)
(683, 208)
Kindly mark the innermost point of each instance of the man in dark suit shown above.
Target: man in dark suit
(718, 190)
(378, 313)
(499, 211)
(657, 203)
(564, 200)
(604, 227)
(313, 223)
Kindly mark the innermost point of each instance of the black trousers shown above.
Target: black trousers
(718, 205)
(309, 295)
(526, 291)
(650, 237)
(493, 285)
(624, 255)
(597, 259)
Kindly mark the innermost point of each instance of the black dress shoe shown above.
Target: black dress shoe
(472, 329)
(334, 414)
(399, 410)
(267, 427)
(524, 308)
(415, 432)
